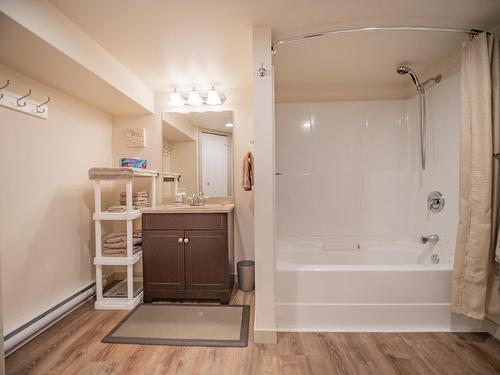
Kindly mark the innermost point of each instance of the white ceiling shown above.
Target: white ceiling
(169, 43)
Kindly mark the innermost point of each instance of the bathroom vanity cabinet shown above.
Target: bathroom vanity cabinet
(187, 256)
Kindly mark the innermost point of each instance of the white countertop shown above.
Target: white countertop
(173, 209)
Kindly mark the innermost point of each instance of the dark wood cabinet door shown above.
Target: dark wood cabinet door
(163, 259)
(206, 254)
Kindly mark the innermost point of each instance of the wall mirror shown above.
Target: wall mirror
(197, 153)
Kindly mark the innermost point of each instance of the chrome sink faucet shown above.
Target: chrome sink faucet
(197, 199)
(433, 239)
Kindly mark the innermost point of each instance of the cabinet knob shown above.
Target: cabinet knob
(186, 240)
(180, 240)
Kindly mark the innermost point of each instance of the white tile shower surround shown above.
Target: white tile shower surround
(353, 168)
(351, 203)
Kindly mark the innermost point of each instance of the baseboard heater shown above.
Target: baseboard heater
(20, 336)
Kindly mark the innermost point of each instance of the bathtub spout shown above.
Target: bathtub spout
(433, 239)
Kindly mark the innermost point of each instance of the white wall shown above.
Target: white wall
(352, 169)
(265, 208)
(46, 199)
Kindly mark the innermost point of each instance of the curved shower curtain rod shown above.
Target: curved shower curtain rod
(471, 33)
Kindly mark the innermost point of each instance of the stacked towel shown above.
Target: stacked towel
(117, 209)
(115, 244)
(139, 199)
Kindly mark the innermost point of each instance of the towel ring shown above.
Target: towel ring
(4, 86)
(20, 102)
(39, 108)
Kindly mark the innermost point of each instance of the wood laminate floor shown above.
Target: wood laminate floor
(73, 346)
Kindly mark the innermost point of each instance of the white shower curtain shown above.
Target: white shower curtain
(476, 273)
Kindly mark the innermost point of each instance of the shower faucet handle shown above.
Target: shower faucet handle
(433, 239)
(435, 202)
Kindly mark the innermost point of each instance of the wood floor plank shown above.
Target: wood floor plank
(73, 346)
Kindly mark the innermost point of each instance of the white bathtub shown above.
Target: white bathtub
(384, 285)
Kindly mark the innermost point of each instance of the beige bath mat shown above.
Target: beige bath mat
(182, 324)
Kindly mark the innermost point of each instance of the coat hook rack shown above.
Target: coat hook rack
(4, 86)
(21, 102)
(11, 100)
(39, 108)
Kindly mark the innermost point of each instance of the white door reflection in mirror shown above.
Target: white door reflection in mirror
(214, 164)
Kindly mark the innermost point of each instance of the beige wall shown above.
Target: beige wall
(152, 152)
(240, 102)
(46, 199)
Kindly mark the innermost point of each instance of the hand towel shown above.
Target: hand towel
(247, 172)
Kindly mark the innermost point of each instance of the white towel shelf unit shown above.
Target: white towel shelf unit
(131, 288)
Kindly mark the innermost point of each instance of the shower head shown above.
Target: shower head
(405, 70)
(402, 69)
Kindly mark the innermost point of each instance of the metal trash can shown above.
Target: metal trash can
(246, 275)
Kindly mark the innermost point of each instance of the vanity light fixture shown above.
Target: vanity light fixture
(176, 99)
(213, 97)
(306, 125)
(194, 98)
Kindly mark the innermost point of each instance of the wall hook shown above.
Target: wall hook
(262, 72)
(20, 102)
(4, 86)
(39, 108)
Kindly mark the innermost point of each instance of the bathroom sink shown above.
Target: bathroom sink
(207, 206)
(185, 208)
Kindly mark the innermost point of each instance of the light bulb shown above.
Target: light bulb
(194, 98)
(229, 125)
(213, 97)
(176, 99)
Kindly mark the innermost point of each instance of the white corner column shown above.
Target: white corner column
(2, 348)
(264, 216)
